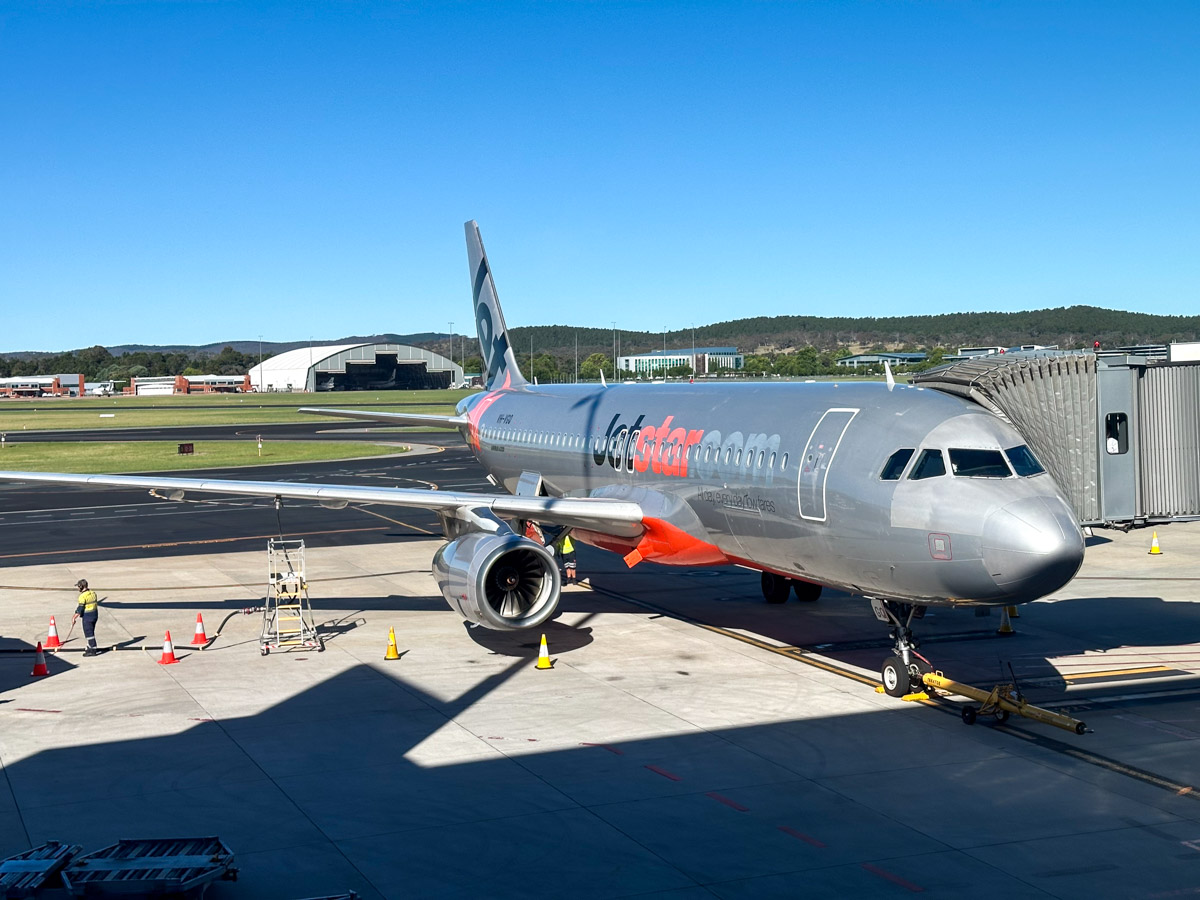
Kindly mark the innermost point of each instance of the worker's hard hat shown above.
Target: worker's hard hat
(81, 584)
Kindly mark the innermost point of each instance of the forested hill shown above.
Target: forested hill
(1069, 327)
(1072, 326)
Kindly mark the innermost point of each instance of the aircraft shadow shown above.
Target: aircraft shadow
(356, 783)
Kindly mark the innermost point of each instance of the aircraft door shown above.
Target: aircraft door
(817, 458)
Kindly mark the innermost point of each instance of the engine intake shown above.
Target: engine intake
(500, 581)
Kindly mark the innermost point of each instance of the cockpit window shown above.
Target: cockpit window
(894, 467)
(1023, 461)
(978, 464)
(929, 465)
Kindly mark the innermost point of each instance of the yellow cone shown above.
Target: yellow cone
(544, 656)
(1005, 626)
(391, 650)
(1155, 550)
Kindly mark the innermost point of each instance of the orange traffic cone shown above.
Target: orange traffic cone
(168, 654)
(52, 640)
(544, 656)
(39, 665)
(392, 652)
(199, 639)
(1155, 550)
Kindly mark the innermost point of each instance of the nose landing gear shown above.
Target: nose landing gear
(903, 670)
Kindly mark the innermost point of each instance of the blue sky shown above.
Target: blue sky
(193, 172)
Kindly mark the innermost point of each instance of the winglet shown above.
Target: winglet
(887, 370)
(499, 363)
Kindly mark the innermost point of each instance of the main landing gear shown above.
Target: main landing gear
(775, 588)
(902, 671)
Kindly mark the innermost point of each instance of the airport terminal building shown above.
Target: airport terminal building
(355, 367)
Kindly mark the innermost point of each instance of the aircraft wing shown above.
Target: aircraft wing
(427, 420)
(616, 517)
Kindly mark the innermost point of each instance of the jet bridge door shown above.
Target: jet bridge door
(817, 458)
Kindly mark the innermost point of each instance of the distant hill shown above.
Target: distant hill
(1072, 326)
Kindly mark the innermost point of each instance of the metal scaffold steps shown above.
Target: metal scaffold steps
(287, 614)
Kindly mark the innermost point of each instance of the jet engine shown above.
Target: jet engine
(500, 581)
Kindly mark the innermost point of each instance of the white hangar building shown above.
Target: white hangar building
(355, 367)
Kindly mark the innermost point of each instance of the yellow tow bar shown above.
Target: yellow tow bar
(999, 702)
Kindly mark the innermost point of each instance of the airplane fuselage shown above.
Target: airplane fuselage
(789, 478)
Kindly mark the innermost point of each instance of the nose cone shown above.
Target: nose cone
(1032, 547)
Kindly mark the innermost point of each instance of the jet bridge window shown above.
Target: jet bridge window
(894, 467)
(1023, 461)
(929, 465)
(976, 463)
(1116, 433)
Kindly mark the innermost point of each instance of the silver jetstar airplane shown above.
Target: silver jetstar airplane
(907, 496)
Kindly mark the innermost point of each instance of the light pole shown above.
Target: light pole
(614, 349)
(693, 349)
(451, 343)
(260, 372)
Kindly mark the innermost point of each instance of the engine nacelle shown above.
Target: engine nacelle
(500, 581)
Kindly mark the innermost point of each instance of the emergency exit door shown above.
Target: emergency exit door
(816, 460)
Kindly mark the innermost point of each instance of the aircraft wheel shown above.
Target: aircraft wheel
(775, 588)
(806, 591)
(895, 677)
(968, 715)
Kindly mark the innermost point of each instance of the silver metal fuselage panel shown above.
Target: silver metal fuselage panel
(786, 477)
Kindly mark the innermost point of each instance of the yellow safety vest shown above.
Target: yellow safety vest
(88, 601)
(567, 546)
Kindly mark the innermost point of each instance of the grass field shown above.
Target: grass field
(162, 456)
(212, 409)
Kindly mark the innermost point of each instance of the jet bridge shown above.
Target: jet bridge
(1120, 434)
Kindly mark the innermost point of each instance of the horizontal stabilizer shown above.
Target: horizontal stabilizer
(426, 420)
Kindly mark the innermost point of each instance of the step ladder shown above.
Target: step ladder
(287, 614)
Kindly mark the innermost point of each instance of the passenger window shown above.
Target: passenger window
(761, 456)
(978, 463)
(1023, 461)
(1116, 433)
(929, 465)
(737, 458)
(783, 463)
(728, 454)
(771, 462)
(894, 467)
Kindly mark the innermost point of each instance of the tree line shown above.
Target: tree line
(779, 345)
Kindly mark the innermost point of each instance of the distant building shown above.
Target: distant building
(42, 386)
(877, 359)
(355, 367)
(702, 360)
(166, 385)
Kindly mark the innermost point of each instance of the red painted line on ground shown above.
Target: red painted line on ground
(801, 835)
(664, 773)
(720, 798)
(893, 878)
(30, 709)
(603, 747)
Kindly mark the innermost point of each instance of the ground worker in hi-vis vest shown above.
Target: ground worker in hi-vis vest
(88, 609)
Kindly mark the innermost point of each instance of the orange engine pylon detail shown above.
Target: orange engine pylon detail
(168, 654)
(199, 639)
(52, 640)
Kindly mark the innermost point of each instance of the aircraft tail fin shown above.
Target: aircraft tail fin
(499, 363)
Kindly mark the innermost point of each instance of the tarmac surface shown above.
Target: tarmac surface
(691, 740)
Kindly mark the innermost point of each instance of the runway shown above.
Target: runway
(691, 741)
